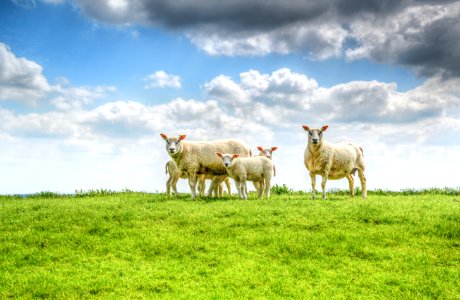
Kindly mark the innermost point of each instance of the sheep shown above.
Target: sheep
(198, 158)
(333, 161)
(257, 168)
(175, 174)
(267, 152)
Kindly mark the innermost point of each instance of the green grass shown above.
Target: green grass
(136, 245)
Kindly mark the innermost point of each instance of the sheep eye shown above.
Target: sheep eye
(320, 133)
(309, 133)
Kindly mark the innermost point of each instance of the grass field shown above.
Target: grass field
(136, 245)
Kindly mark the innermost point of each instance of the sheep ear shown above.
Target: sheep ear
(181, 137)
(324, 128)
(219, 154)
(164, 136)
(260, 148)
(274, 148)
(306, 128)
(235, 155)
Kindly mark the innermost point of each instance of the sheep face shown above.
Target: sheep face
(266, 151)
(173, 144)
(227, 159)
(315, 136)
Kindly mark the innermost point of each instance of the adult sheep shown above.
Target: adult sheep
(197, 158)
(333, 161)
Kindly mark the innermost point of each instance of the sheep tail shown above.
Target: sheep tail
(362, 152)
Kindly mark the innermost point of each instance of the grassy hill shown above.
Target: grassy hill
(137, 245)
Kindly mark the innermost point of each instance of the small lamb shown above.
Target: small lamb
(333, 161)
(267, 152)
(257, 168)
(174, 175)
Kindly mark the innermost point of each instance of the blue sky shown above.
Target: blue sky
(89, 85)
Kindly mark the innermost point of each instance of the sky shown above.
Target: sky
(86, 88)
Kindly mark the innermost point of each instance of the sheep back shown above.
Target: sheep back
(338, 160)
(201, 158)
(254, 168)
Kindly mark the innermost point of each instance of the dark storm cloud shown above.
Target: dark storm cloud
(435, 49)
(226, 27)
(252, 15)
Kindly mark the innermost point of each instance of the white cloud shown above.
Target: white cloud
(318, 42)
(403, 133)
(55, 2)
(75, 98)
(25, 3)
(161, 79)
(21, 79)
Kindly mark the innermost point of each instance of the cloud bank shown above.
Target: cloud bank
(255, 106)
(419, 34)
(86, 129)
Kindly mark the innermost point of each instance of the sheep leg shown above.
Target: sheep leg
(238, 187)
(171, 183)
(168, 185)
(229, 187)
(192, 181)
(351, 184)
(257, 186)
(244, 187)
(362, 178)
(174, 183)
(201, 185)
(323, 184)
(313, 185)
(214, 181)
(214, 184)
(220, 190)
(260, 190)
(217, 190)
(267, 185)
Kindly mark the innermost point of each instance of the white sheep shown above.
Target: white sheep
(257, 169)
(175, 174)
(199, 158)
(267, 152)
(333, 161)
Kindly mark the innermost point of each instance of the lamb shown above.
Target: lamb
(333, 161)
(198, 158)
(267, 152)
(175, 174)
(258, 169)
